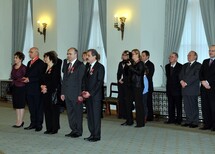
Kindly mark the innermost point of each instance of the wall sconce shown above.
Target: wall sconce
(43, 32)
(122, 25)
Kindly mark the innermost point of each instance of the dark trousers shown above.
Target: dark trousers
(129, 104)
(191, 109)
(75, 116)
(52, 113)
(208, 107)
(137, 92)
(94, 117)
(144, 101)
(36, 110)
(122, 100)
(150, 106)
(175, 103)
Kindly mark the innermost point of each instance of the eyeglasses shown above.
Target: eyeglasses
(211, 50)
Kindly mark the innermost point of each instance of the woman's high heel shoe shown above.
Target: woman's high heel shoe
(22, 124)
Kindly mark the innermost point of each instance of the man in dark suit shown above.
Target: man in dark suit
(92, 92)
(121, 77)
(173, 89)
(35, 69)
(189, 79)
(71, 89)
(207, 78)
(151, 68)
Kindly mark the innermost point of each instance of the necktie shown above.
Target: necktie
(88, 70)
(210, 62)
(171, 70)
(69, 67)
(188, 67)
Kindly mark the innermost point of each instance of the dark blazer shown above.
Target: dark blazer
(123, 71)
(190, 74)
(72, 81)
(49, 79)
(137, 71)
(173, 86)
(208, 73)
(151, 69)
(93, 82)
(34, 73)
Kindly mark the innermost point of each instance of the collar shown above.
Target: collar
(73, 62)
(173, 65)
(191, 63)
(93, 64)
(34, 59)
(146, 61)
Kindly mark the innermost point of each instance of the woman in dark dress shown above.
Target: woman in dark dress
(48, 87)
(18, 88)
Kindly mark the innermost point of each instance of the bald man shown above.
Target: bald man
(35, 69)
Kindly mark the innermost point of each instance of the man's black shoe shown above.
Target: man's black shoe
(38, 129)
(185, 125)
(29, 127)
(88, 138)
(94, 139)
(124, 124)
(69, 135)
(193, 126)
(75, 135)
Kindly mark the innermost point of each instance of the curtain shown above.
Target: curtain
(208, 16)
(103, 18)
(85, 22)
(193, 37)
(174, 24)
(19, 18)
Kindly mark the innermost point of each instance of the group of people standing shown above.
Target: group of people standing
(134, 77)
(186, 82)
(40, 85)
(183, 82)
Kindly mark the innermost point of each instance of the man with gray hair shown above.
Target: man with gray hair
(189, 80)
(35, 69)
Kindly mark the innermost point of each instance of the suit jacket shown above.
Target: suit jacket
(49, 79)
(208, 73)
(173, 86)
(93, 81)
(149, 76)
(190, 74)
(125, 72)
(72, 81)
(34, 73)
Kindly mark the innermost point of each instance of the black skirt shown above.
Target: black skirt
(18, 97)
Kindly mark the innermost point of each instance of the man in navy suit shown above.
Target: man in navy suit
(207, 78)
(35, 69)
(173, 89)
(92, 91)
(151, 68)
(189, 79)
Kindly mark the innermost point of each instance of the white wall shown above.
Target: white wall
(5, 38)
(144, 29)
(152, 34)
(67, 25)
(62, 30)
(45, 11)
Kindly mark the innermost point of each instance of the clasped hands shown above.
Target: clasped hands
(43, 89)
(84, 95)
